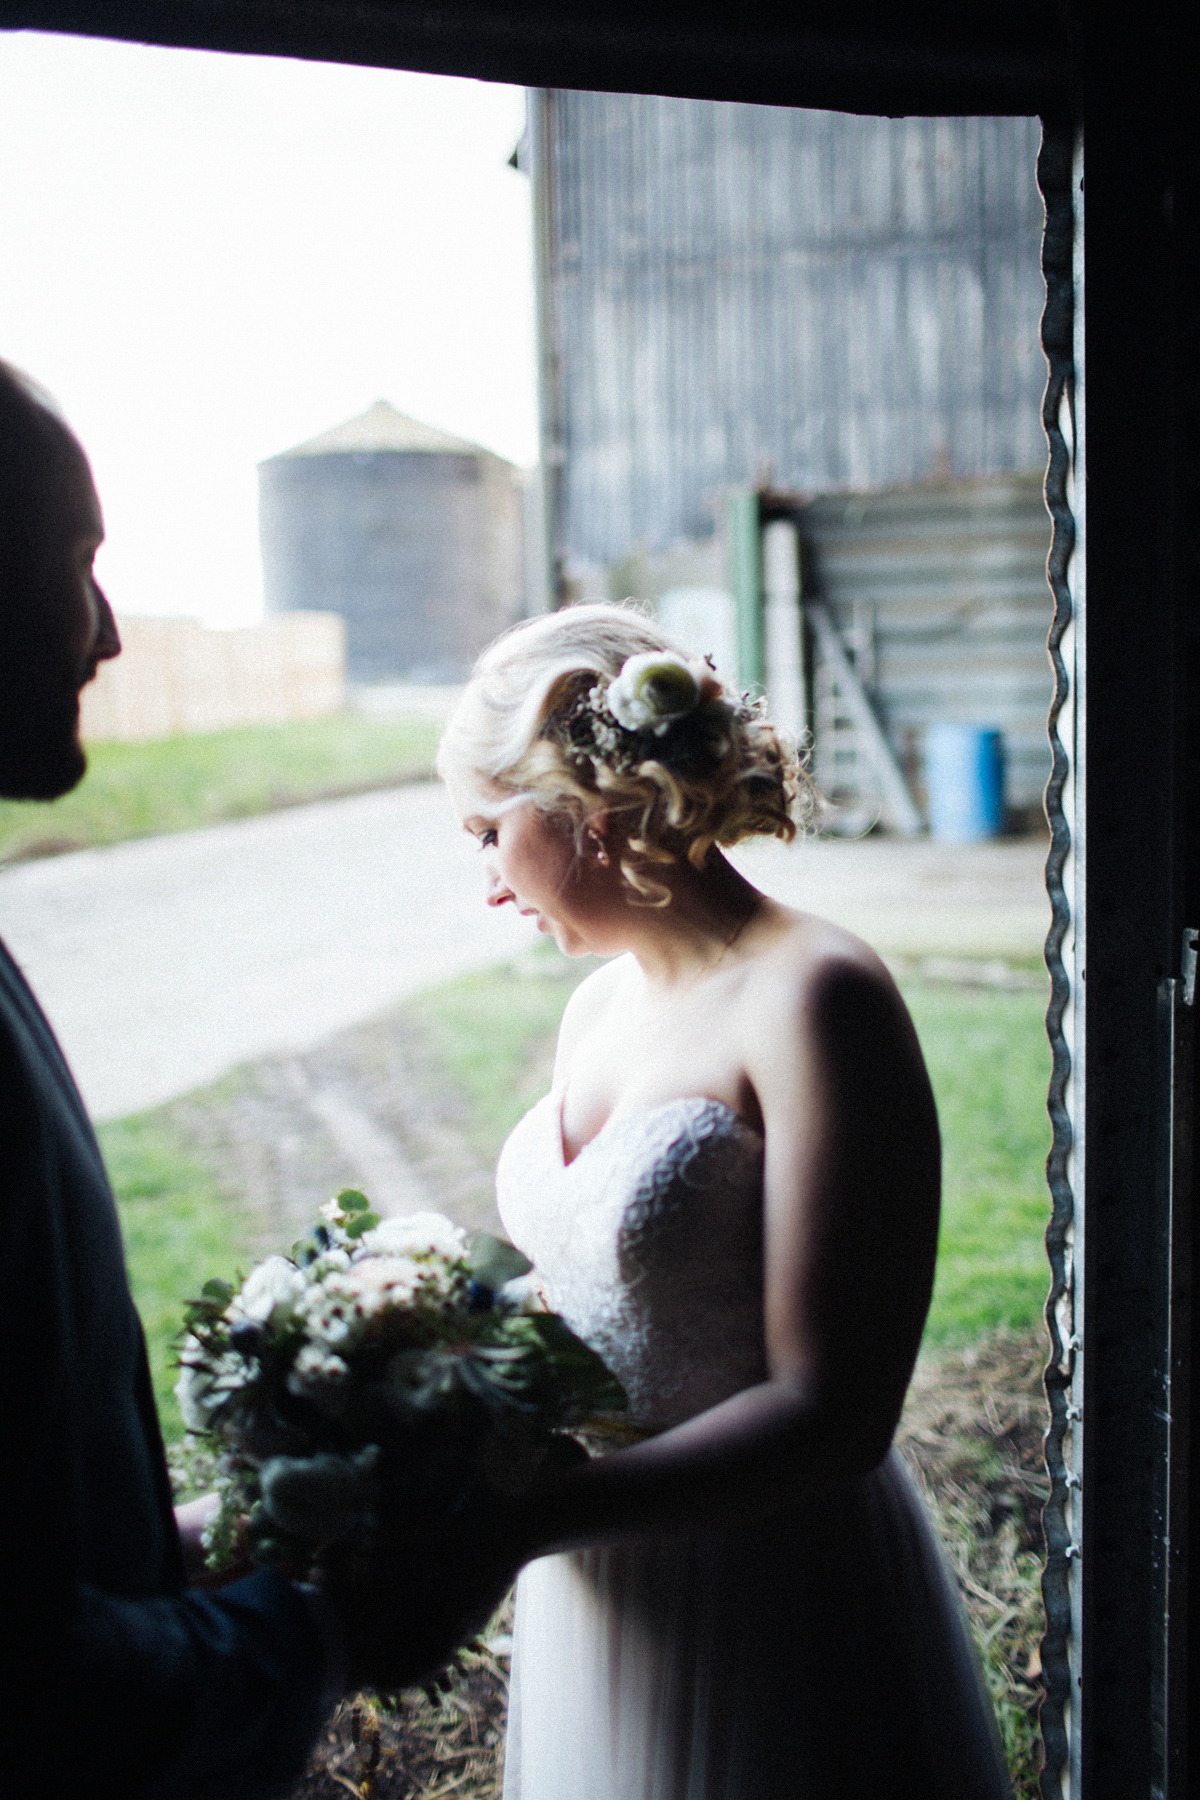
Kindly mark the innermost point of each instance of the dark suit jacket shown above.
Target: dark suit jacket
(120, 1680)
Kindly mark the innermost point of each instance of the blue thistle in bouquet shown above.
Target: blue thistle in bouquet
(386, 1370)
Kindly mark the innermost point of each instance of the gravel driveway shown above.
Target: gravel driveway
(163, 963)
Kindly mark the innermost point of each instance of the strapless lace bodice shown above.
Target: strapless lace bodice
(649, 1244)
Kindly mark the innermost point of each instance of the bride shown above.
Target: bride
(731, 1193)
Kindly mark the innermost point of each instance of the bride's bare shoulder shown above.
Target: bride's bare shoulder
(596, 989)
(801, 944)
(818, 991)
(797, 953)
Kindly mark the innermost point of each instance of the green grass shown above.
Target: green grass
(177, 783)
(179, 1229)
(990, 1064)
(493, 1034)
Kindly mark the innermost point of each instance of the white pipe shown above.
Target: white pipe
(785, 642)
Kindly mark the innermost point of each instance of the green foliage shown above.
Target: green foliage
(177, 1226)
(202, 1313)
(492, 1261)
(571, 1360)
(177, 783)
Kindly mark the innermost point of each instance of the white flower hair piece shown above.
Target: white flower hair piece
(647, 712)
(652, 690)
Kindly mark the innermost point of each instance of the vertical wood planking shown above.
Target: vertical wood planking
(829, 300)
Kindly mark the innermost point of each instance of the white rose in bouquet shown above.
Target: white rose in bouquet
(422, 1234)
(269, 1293)
(390, 1281)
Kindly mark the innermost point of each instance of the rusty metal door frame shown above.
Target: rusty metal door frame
(1060, 178)
(1120, 418)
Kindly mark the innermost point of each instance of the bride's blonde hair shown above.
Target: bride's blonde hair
(533, 720)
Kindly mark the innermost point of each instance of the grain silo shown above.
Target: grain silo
(412, 535)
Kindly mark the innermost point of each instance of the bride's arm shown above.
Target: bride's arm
(851, 1189)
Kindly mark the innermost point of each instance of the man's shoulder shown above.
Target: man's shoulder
(19, 1052)
(20, 1013)
(39, 1101)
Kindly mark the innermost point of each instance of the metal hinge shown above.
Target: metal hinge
(1187, 964)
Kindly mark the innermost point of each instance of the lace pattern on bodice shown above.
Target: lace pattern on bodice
(649, 1244)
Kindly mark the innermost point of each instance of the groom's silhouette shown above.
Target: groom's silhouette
(119, 1678)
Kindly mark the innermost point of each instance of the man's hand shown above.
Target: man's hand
(191, 1520)
(406, 1609)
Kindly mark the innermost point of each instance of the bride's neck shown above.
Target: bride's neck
(708, 910)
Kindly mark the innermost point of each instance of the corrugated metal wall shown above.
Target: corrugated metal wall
(940, 593)
(739, 292)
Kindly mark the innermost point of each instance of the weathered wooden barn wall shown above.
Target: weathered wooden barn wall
(735, 292)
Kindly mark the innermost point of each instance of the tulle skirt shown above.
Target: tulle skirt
(819, 1654)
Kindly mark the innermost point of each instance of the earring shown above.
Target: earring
(601, 852)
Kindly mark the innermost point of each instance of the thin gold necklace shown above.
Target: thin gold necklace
(705, 969)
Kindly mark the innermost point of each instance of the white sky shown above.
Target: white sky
(209, 258)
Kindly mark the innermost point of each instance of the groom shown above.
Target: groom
(119, 1677)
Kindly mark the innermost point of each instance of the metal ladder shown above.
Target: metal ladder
(852, 762)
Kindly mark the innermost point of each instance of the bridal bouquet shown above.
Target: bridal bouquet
(385, 1369)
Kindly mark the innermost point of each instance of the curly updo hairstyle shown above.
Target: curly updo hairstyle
(536, 718)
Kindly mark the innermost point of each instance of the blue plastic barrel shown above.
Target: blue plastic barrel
(964, 778)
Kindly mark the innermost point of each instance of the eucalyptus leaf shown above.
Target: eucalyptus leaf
(363, 1221)
(592, 1380)
(492, 1261)
(352, 1201)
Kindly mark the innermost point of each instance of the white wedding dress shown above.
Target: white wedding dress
(816, 1654)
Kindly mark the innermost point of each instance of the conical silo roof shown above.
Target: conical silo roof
(381, 427)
